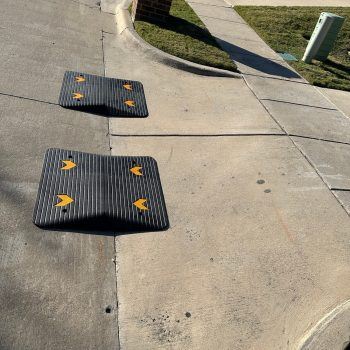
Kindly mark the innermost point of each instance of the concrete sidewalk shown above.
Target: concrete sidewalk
(301, 110)
(340, 98)
(257, 249)
(54, 286)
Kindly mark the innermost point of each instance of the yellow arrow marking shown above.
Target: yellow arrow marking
(127, 86)
(77, 95)
(68, 164)
(136, 170)
(65, 200)
(79, 79)
(139, 204)
(130, 103)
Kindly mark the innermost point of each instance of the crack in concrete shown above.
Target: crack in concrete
(274, 77)
(220, 19)
(202, 3)
(28, 98)
(200, 135)
(115, 235)
(295, 145)
(320, 139)
(295, 103)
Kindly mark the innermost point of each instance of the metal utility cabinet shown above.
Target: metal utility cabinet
(323, 37)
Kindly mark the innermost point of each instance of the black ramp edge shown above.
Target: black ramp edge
(101, 95)
(95, 192)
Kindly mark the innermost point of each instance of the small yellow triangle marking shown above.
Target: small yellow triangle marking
(79, 79)
(68, 164)
(139, 204)
(127, 86)
(130, 103)
(65, 200)
(77, 95)
(136, 170)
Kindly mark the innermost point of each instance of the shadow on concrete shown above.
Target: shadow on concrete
(17, 200)
(99, 228)
(102, 111)
(255, 61)
(237, 54)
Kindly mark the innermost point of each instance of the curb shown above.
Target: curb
(336, 318)
(125, 28)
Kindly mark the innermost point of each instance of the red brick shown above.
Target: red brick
(150, 10)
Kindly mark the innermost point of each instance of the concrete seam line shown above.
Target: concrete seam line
(278, 78)
(328, 99)
(306, 82)
(199, 135)
(126, 29)
(308, 160)
(205, 4)
(321, 325)
(299, 104)
(320, 139)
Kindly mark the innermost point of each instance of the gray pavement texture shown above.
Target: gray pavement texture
(255, 254)
(331, 159)
(246, 264)
(193, 104)
(257, 250)
(297, 107)
(340, 98)
(54, 286)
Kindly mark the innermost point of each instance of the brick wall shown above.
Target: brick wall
(150, 10)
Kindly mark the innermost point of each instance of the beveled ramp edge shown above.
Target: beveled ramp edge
(114, 97)
(104, 191)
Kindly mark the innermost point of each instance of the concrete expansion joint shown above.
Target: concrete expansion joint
(202, 135)
(319, 139)
(294, 143)
(202, 3)
(28, 99)
(274, 77)
(321, 177)
(224, 20)
(126, 30)
(298, 104)
(328, 99)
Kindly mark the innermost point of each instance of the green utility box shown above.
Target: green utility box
(323, 37)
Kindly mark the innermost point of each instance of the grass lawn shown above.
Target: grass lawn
(185, 36)
(289, 29)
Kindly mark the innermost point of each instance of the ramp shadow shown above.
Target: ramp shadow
(102, 111)
(101, 227)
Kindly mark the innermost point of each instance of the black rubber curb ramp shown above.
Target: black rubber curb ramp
(101, 95)
(94, 192)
